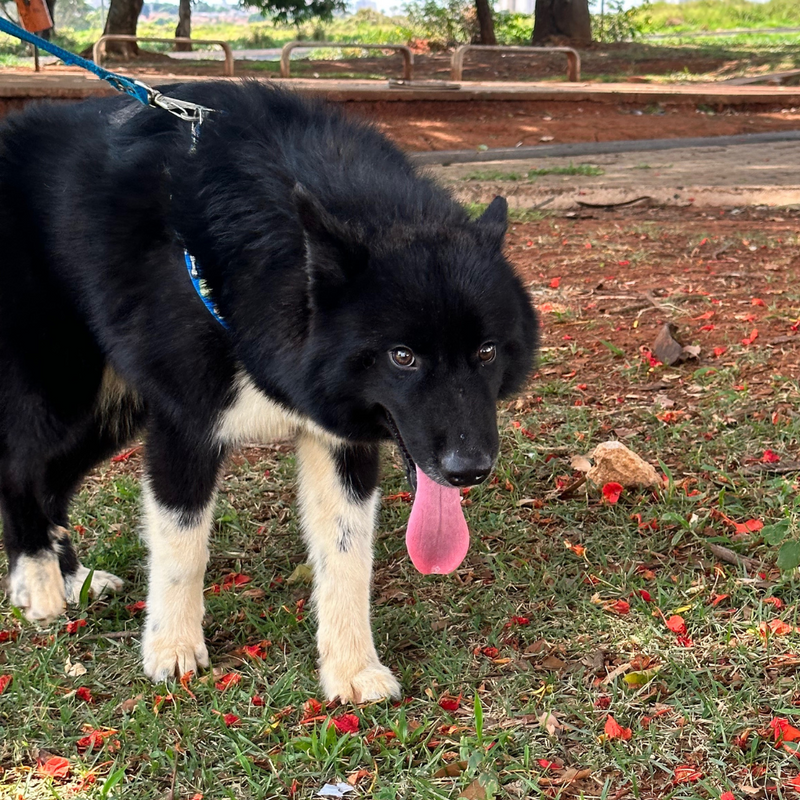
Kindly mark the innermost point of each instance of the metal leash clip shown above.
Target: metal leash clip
(183, 109)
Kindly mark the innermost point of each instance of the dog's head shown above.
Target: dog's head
(418, 334)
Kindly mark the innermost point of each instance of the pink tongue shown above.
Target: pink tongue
(437, 537)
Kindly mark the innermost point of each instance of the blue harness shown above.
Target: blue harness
(146, 95)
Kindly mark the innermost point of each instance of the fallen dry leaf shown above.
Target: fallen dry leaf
(549, 721)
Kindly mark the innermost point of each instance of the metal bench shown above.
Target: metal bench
(408, 55)
(99, 48)
(457, 61)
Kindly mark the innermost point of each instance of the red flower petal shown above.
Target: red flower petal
(687, 774)
(612, 492)
(614, 730)
(230, 720)
(676, 624)
(73, 625)
(783, 730)
(554, 284)
(257, 701)
(621, 607)
(55, 767)
(84, 694)
(770, 457)
(311, 707)
(5, 682)
(346, 723)
(645, 595)
(449, 703)
(227, 680)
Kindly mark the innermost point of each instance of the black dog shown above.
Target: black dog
(358, 303)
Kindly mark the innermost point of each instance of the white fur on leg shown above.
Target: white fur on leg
(37, 586)
(102, 582)
(339, 533)
(172, 642)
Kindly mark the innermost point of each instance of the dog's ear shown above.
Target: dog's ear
(334, 253)
(494, 220)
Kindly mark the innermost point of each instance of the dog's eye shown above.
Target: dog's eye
(487, 353)
(403, 357)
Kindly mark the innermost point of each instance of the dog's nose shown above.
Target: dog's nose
(465, 470)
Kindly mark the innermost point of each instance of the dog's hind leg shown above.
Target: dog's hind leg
(178, 498)
(35, 581)
(62, 476)
(339, 503)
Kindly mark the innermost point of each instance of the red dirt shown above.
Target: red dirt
(453, 126)
(719, 275)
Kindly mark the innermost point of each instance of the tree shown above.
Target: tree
(568, 19)
(123, 16)
(485, 22)
(296, 11)
(184, 29)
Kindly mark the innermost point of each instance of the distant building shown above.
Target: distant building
(516, 6)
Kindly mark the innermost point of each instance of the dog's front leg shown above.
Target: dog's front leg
(178, 503)
(338, 503)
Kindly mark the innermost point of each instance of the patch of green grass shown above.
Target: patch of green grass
(492, 175)
(589, 170)
(709, 15)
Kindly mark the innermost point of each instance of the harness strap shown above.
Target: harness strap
(201, 288)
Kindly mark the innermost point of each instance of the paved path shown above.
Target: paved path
(741, 175)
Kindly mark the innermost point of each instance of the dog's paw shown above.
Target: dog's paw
(375, 682)
(102, 582)
(37, 587)
(165, 657)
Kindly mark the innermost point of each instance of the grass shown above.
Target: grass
(588, 170)
(699, 15)
(530, 628)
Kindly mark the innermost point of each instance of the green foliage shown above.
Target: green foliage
(296, 11)
(620, 24)
(441, 24)
(513, 29)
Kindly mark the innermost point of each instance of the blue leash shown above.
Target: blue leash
(146, 95)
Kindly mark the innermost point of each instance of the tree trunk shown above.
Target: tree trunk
(564, 19)
(184, 28)
(485, 22)
(123, 15)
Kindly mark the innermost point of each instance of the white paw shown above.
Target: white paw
(166, 657)
(375, 682)
(37, 586)
(101, 582)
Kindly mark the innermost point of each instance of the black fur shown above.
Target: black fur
(358, 469)
(323, 248)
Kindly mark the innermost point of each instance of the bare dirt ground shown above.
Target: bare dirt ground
(725, 276)
(453, 126)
